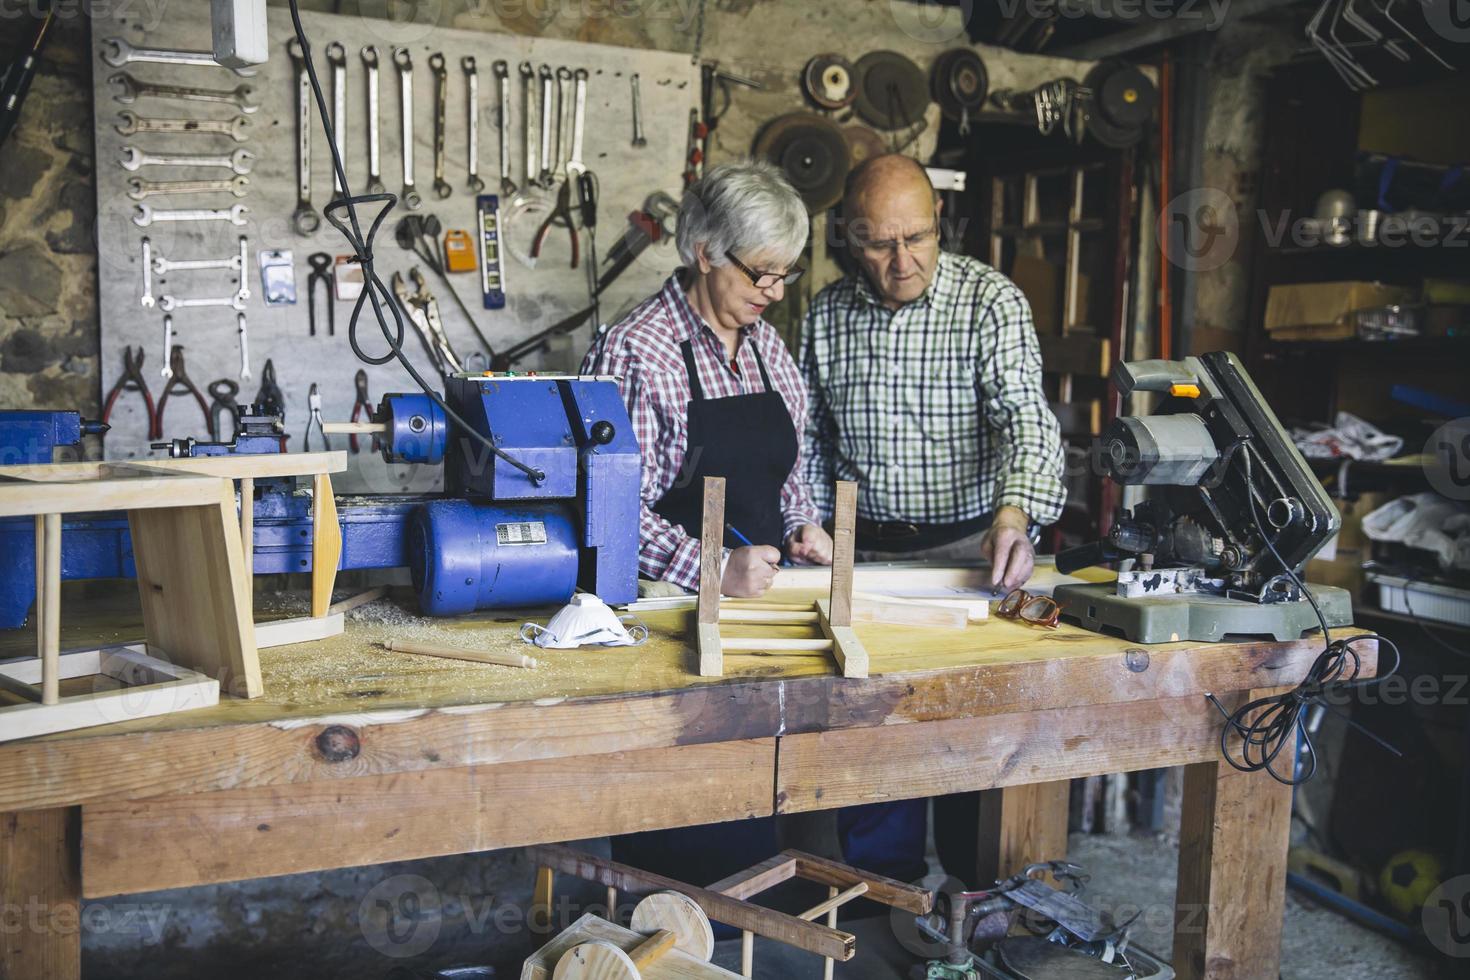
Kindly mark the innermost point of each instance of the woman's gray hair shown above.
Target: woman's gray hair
(744, 207)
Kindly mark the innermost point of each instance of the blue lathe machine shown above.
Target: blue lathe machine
(497, 537)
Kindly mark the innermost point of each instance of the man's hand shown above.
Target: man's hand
(1011, 554)
(750, 571)
(810, 545)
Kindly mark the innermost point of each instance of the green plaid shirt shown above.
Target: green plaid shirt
(936, 409)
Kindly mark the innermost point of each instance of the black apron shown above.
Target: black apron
(749, 440)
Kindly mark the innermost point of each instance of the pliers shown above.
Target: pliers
(561, 214)
(321, 272)
(423, 311)
(314, 402)
(269, 399)
(179, 381)
(360, 407)
(223, 393)
(132, 380)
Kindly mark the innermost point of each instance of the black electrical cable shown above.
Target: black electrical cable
(1266, 725)
(362, 247)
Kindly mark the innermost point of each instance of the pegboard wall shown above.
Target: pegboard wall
(536, 297)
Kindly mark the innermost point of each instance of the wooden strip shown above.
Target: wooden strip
(844, 551)
(40, 533)
(361, 599)
(727, 604)
(19, 688)
(847, 649)
(652, 949)
(302, 629)
(247, 526)
(539, 916)
(23, 499)
(109, 707)
(769, 616)
(774, 643)
(757, 878)
(709, 648)
(1021, 825)
(240, 466)
(909, 614)
(711, 548)
(39, 871)
(834, 900)
(235, 834)
(326, 544)
(720, 908)
(459, 653)
(896, 894)
(51, 613)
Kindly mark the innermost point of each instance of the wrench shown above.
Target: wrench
(441, 100)
(131, 124)
(170, 303)
(502, 85)
(163, 266)
(528, 92)
(133, 89)
(411, 199)
(472, 79)
(563, 116)
(638, 138)
(119, 52)
(337, 58)
(545, 177)
(244, 347)
(143, 215)
(147, 298)
(139, 188)
(304, 219)
(575, 166)
(132, 158)
(168, 342)
(375, 169)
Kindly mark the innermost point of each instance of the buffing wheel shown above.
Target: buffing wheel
(812, 152)
(892, 92)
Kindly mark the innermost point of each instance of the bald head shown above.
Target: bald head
(891, 219)
(885, 176)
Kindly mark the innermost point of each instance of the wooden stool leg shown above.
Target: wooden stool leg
(831, 924)
(326, 544)
(1020, 825)
(40, 881)
(40, 523)
(612, 904)
(247, 522)
(747, 954)
(50, 611)
(1233, 837)
(540, 919)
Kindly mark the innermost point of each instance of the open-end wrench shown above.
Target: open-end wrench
(575, 166)
(139, 188)
(410, 197)
(117, 52)
(244, 347)
(147, 298)
(236, 263)
(130, 124)
(528, 120)
(472, 82)
(638, 138)
(167, 371)
(563, 117)
(131, 158)
(143, 215)
(545, 178)
(441, 105)
(502, 87)
(133, 90)
(304, 219)
(375, 167)
(337, 58)
(170, 303)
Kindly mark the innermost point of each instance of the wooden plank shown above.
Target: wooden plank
(235, 834)
(234, 467)
(1021, 825)
(709, 649)
(1231, 891)
(39, 522)
(301, 629)
(783, 644)
(914, 613)
(194, 591)
(770, 616)
(720, 908)
(935, 758)
(896, 894)
(23, 499)
(50, 611)
(757, 878)
(247, 526)
(711, 554)
(847, 649)
(673, 965)
(40, 883)
(326, 544)
(844, 551)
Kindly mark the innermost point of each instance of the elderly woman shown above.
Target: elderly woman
(712, 390)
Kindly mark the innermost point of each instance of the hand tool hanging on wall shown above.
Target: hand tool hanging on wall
(560, 215)
(492, 271)
(423, 311)
(138, 189)
(131, 379)
(546, 176)
(528, 121)
(502, 94)
(441, 105)
(563, 117)
(409, 197)
(132, 90)
(147, 298)
(639, 139)
(116, 52)
(222, 399)
(361, 406)
(420, 234)
(321, 272)
(179, 383)
(314, 403)
(305, 219)
(369, 56)
(236, 128)
(268, 398)
(244, 374)
(337, 58)
(472, 84)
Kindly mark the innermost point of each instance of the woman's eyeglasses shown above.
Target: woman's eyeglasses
(765, 280)
(1038, 610)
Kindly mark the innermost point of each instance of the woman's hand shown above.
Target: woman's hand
(810, 545)
(750, 571)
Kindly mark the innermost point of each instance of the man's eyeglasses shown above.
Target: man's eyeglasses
(1038, 610)
(765, 280)
(913, 243)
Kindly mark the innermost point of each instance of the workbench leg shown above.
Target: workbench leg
(1233, 836)
(1020, 825)
(40, 894)
(326, 544)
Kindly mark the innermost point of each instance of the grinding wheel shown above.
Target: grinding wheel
(595, 961)
(829, 81)
(959, 83)
(1033, 958)
(1121, 105)
(679, 914)
(892, 92)
(812, 152)
(863, 143)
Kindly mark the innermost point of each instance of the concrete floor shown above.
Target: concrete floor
(1129, 874)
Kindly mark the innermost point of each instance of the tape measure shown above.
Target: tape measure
(492, 275)
(459, 251)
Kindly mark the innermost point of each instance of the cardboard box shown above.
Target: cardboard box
(1323, 306)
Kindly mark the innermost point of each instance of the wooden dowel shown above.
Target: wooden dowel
(40, 525)
(361, 599)
(357, 428)
(773, 644)
(51, 621)
(247, 534)
(612, 904)
(20, 688)
(839, 898)
(758, 604)
(747, 953)
(457, 653)
(776, 616)
(652, 948)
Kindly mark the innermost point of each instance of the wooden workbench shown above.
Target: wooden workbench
(356, 755)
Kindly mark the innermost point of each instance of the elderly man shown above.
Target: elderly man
(925, 381)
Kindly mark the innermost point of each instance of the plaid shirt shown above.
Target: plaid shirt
(936, 409)
(643, 351)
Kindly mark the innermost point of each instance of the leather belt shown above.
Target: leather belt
(913, 536)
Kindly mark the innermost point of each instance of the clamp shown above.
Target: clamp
(178, 381)
(131, 379)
